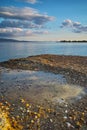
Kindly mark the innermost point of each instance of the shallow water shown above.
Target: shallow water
(37, 86)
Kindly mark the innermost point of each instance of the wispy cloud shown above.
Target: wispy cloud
(19, 24)
(26, 13)
(76, 27)
(10, 32)
(30, 1)
(18, 32)
(22, 21)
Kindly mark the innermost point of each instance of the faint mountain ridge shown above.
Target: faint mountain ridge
(11, 40)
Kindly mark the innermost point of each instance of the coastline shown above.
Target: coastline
(62, 116)
(72, 67)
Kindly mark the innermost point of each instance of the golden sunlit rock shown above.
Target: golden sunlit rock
(4, 121)
(22, 117)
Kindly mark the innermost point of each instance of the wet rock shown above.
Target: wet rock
(1, 81)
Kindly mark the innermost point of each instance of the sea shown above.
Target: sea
(11, 50)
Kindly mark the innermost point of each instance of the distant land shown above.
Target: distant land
(14, 40)
(73, 41)
(11, 40)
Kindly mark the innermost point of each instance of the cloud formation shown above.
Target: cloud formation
(26, 13)
(76, 27)
(30, 1)
(22, 21)
(19, 24)
(7, 32)
(18, 32)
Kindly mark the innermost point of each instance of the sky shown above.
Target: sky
(43, 20)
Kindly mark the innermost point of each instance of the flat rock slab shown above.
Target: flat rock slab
(73, 67)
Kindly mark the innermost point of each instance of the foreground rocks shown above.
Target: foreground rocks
(74, 68)
(24, 115)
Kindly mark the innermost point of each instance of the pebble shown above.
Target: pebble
(66, 111)
(51, 120)
(69, 125)
(2, 81)
(65, 117)
(66, 105)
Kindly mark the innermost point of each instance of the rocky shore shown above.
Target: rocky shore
(74, 68)
(25, 115)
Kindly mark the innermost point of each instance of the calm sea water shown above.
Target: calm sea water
(10, 50)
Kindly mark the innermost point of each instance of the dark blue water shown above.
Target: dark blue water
(10, 50)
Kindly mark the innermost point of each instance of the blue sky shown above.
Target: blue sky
(43, 20)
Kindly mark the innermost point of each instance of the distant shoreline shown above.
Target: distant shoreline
(73, 41)
(14, 40)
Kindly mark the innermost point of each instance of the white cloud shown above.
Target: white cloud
(16, 32)
(10, 30)
(7, 32)
(22, 21)
(29, 14)
(76, 27)
(67, 22)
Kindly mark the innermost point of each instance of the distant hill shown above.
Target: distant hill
(10, 40)
(13, 40)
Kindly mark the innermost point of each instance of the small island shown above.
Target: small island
(72, 41)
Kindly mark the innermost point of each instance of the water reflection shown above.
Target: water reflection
(12, 50)
(37, 86)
